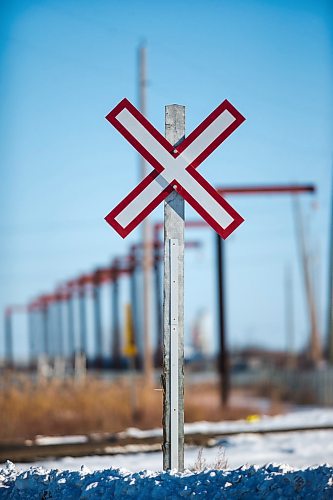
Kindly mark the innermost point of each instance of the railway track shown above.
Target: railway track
(114, 444)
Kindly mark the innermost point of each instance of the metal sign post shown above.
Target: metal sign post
(174, 178)
(173, 308)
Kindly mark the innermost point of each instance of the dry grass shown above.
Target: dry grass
(66, 407)
(220, 463)
(202, 402)
(58, 408)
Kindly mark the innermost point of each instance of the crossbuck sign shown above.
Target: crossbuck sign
(175, 168)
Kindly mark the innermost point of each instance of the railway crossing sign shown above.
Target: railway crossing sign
(175, 168)
(174, 178)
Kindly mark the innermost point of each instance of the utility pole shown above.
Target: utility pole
(330, 288)
(83, 318)
(223, 359)
(9, 352)
(45, 320)
(146, 237)
(60, 331)
(173, 308)
(315, 347)
(97, 319)
(289, 312)
(31, 335)
(70, 323)
(134, 304)
(116, 354)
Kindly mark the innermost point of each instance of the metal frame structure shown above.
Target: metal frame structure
(128, 266)
(223, 359)
(56, 312)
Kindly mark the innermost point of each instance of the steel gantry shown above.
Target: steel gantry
(223, 357)
(79, 289)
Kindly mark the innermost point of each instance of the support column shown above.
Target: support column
(31, 336)
(83, 320)
(70, 322)
(330, 288)
(223, 356)
(97, 321)
(9, 351)
(146, 240)
(158, 302)
(60, 328)
(45, 329)
(116, 354)
(134, 303)
(315, 351)
(173, 308)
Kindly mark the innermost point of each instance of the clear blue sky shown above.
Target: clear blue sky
(66, 63)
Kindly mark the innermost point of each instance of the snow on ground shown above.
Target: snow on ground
(298, 449)
(300, 419)
(47, 440)
(270, 482)
(119, 475)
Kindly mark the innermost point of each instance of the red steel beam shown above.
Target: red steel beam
(292, 189)
(273, 189)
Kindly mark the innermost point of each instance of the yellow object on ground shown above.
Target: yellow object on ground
(252, 418)
(130, 349)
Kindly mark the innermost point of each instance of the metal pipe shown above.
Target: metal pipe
(315, 354)
(134, 303)
(83, 320)
(146, 235)
(158, 305)
(60, 328)
(45, 329)
(9, 351)
(273, 189)
(330, 288)
(70, 323)
(97, 320)
(116, 354)
(31, 336)
(223, 358)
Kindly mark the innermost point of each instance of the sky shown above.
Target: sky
(66, 64)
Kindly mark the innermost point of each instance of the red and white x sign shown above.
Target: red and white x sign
(174, 168)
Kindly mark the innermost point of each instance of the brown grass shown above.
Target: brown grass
(68, 407)
(202, 402)
(201, 464)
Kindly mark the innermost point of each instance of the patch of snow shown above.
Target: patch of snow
(139, 433)
(107, 476)
(298, 419)
(298, 449)
(301, 419)
(248, 482)
(46, 440)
